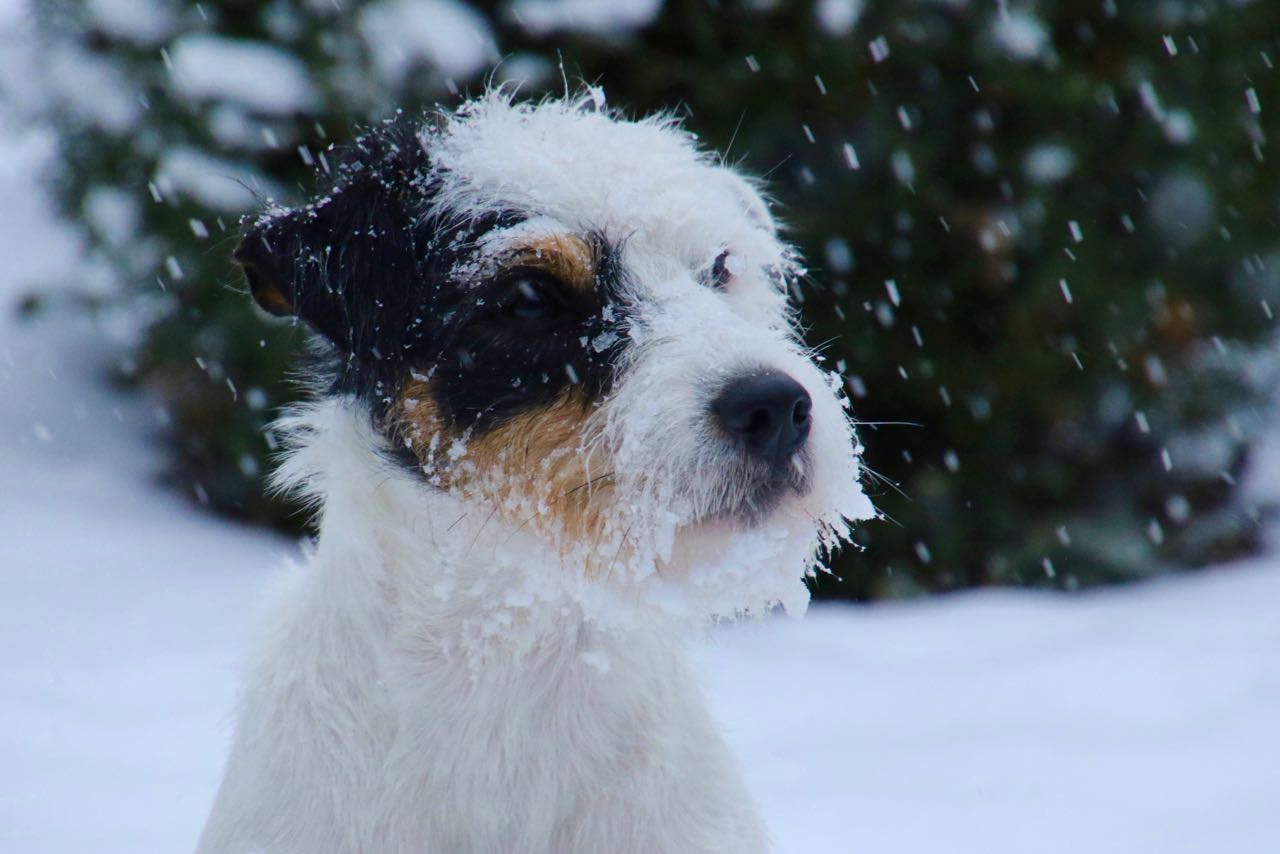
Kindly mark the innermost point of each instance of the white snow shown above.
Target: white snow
(1019, 34)
(596, 16)
(114, 595)
(144, 21)
(112, 213)
(253, 74)
(1048, 163)
(1183, 208)
(879, 47)
(839, 255)
(838, 17)
(445, 34)
(211, 181)
(1251, 98)
(1130, 720)
(1123, 721)
(1177, 124)
(92, 89)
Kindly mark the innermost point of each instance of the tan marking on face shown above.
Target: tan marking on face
(535, 468)
(570, 258)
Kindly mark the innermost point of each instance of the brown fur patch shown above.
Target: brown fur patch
(533, 468)
(569, 258)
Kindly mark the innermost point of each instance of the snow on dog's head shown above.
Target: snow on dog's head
(580, 323)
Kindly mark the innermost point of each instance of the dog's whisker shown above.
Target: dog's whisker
(857, 423)
(887, 481)
(618, 554)
(587, 483)
(492, 512)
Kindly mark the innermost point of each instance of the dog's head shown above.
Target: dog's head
(581, 322)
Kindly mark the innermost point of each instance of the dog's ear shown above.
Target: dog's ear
(343, 263)
(282, 257)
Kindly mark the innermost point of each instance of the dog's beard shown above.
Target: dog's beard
(748, 548)
(720, 542)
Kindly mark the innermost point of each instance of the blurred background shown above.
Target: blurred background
(1042, 237)
(1043, 244)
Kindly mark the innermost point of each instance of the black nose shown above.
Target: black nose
(768, 411)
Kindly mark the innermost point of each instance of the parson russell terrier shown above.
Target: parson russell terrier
(566, 415)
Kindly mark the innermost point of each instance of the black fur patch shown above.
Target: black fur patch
(373, 268)
(493, 363)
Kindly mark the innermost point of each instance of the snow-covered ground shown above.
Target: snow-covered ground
(1138, 720)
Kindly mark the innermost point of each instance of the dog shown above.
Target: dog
(565, 416)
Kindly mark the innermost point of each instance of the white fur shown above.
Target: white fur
(442, 676)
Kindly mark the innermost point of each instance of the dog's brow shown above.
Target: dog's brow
(570, 258)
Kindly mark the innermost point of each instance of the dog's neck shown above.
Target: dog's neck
(456, 575)
(418, 691)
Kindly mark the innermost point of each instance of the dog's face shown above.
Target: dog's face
(578, 321)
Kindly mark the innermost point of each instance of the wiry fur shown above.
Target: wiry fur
(483, 651)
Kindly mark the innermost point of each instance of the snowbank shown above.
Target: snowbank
(1134, 720)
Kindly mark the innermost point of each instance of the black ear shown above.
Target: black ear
(347, 264)
(281, 259)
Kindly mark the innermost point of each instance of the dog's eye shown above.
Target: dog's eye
(532, 296)
(720, 272)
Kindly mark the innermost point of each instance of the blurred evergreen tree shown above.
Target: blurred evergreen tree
(1041, 234)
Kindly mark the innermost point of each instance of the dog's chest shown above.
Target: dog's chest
(522, 752)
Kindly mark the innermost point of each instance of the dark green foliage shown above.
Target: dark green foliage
(1051, 440)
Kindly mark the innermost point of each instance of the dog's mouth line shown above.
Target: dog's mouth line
(753, 508)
